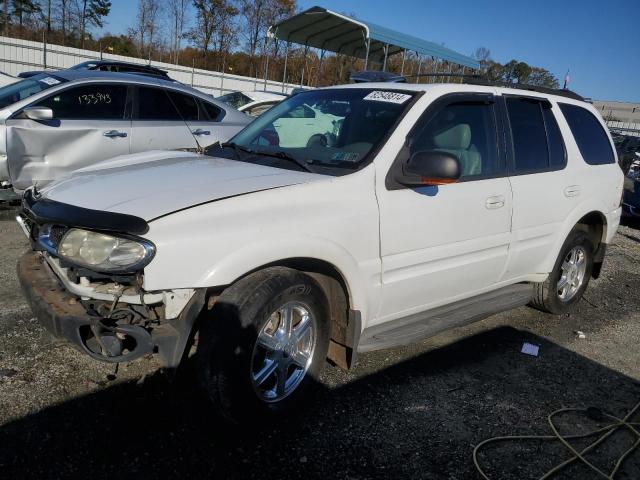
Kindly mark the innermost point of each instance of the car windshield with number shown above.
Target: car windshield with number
(330, 131)
(20, 90)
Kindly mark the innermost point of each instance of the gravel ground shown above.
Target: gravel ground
(413, 412)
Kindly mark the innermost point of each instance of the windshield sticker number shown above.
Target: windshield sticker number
(50, 81)
(390, 97)
(345, 156)
(94, 98)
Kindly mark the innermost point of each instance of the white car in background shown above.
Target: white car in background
(252, 103)
(54, 123)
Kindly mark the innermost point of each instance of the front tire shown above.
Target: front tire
(263, 343)
(569, 278)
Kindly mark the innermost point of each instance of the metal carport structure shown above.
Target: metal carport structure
(326, 30)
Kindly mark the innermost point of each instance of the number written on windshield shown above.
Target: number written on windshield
(94, 98)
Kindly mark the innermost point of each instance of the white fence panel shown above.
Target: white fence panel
(18, 56)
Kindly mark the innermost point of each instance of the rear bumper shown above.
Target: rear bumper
(62, 314)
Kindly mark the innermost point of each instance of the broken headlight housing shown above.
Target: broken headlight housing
(105, 253)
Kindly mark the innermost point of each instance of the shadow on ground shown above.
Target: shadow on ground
(417, 419)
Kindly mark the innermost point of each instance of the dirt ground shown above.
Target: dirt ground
(413, 412)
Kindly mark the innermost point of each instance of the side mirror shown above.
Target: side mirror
(38, 113)
(431, 167)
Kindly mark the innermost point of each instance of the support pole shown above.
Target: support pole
(304, 65)
(286, 59)
(402, 68)
(386, 52)
(366, 58)
(419, 67)
(322, 52)
(266, 62)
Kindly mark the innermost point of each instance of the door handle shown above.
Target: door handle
(572, 191)
(494, 202)
(114, 134)
(199, 132)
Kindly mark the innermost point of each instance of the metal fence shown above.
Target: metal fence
(624, 128)
(18, 56)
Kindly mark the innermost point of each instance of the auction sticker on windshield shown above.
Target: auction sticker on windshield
(392, 97)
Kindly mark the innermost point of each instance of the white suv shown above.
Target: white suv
(415, 209)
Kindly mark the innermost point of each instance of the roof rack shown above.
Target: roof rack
(475, 79)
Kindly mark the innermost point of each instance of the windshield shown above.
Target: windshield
(235, 99)
(20, 90)
(329, 129)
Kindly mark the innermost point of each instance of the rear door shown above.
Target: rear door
(544, 190)
(204, 126)
(91, 122)
(157, 124)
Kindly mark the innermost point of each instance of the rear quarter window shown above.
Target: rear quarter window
(591, 138)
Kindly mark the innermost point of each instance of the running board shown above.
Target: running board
(425, 324)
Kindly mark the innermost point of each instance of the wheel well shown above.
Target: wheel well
(341, 317)
(594, 225)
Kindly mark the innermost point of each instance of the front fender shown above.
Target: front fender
(257, 254)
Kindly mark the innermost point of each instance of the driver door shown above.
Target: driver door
(90, 123)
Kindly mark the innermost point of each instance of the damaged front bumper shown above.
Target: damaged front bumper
(64, 316)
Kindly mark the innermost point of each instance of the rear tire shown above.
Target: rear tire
(263, 344)
(569, 278)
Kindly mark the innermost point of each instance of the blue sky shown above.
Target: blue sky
(597, 40)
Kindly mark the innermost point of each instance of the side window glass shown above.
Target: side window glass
(88, 102)
(211, 111)
(529, 135)
(466, 130)
(589, 135)
(154, 104)
(186, 105)
(557, 153)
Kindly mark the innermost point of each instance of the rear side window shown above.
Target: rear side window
(211, 110)
(589, 135)
(186, 104)
(537, 141)
(88, 102)
(154, 104)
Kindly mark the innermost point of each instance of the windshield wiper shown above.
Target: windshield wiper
(285, 156)
(236, 148)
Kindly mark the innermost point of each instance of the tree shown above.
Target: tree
(214, 23)
(258, 16)
(178, 14)
(147, 25)
(22, 8)
(93, 13)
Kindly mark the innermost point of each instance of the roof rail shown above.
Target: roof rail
(475, 79)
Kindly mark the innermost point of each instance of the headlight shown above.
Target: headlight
(101, 252)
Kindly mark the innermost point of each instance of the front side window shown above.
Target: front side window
(591, 138)
(26, 88)
(333, 129)
(88, 102)
(155, 104)
(466, 130)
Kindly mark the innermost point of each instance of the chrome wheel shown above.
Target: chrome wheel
(283, 352)
(572, 273)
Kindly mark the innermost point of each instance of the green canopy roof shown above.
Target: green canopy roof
(320, 28)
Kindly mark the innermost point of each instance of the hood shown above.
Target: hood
(152, 184)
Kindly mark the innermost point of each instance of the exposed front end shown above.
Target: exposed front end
(104, 311)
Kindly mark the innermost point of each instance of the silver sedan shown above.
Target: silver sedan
(54, 123)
